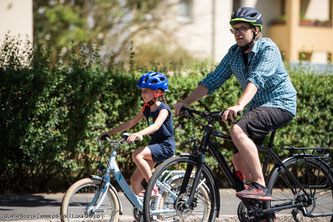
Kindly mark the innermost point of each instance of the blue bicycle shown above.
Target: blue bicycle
(96, 199)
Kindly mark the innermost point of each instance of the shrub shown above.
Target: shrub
(51, 115)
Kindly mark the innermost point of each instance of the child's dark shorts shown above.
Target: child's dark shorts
(261, 121)
(162, 151)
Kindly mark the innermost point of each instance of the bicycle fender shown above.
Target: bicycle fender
(278, 167)
(183, 154)
(113, 189)
(307, 156)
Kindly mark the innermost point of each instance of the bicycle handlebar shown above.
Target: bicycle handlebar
(209, 116)
(107, 138)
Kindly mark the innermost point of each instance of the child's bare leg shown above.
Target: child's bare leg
(136, 180)
(143, 160)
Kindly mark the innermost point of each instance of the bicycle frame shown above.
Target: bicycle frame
(137, 202)
(112, 168)
(214, 150)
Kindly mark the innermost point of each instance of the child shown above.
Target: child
(160, 128)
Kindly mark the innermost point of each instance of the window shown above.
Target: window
(185, 11)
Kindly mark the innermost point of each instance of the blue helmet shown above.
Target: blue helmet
(153, 80)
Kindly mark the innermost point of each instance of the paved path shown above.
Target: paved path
(46, 207)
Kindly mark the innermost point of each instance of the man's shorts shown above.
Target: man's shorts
(261, 121)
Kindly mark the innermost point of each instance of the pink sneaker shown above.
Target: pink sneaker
(154, 192)
(255, 191)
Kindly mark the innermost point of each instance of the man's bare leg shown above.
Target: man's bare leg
(248, 149)
(240, 165)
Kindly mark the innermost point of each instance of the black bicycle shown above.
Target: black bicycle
(301, 185)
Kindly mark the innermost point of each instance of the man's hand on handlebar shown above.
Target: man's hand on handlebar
(231, 113)
(178, 106)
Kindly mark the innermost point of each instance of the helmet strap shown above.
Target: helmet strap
(151, 102)
(157, 95)
(248, 45)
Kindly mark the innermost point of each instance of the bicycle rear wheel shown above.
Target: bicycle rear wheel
(78, 198)
(316, 179)
(167, 206)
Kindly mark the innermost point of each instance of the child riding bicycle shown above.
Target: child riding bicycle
(160, 128)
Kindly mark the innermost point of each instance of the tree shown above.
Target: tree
(110, 25)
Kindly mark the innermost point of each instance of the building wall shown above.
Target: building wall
(205, 30)
(16, 17)
(204, 41)
(207, 34)
(269, 10)
(224, 38)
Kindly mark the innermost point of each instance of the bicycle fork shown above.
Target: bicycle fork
(102, 189)
(195, 184)
(98, 198)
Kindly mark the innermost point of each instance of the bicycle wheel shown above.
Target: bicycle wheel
(167, 206)
(316, 179)
(78, 198)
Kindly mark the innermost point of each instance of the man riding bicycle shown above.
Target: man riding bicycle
(268, 94)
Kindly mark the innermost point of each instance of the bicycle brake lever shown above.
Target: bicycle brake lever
(125, 136)
(187, 112)
(239, 113)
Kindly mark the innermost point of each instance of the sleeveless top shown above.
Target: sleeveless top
(166, 129)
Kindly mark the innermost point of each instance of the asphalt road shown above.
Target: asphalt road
(46, 207)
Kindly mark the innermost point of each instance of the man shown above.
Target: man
(268, 94)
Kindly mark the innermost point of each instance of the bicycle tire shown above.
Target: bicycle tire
(204, 207)
(317, 179)
(78, 197)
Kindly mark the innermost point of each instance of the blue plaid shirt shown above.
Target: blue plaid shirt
(265, 70)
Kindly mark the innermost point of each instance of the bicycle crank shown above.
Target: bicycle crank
(137, 213)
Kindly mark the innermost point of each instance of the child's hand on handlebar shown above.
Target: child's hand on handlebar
(134, 136)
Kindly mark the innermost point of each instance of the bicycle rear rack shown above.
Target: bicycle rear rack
(316, 152)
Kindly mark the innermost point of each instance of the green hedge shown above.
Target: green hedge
(51, 115)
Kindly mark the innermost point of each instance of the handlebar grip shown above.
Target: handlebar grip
(183, 109)
(105, 137)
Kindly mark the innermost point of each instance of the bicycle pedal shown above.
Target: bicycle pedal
(155, 196)
(252, 200)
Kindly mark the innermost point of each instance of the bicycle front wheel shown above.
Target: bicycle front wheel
(315, 177)
(78, 203)
(167, 205)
